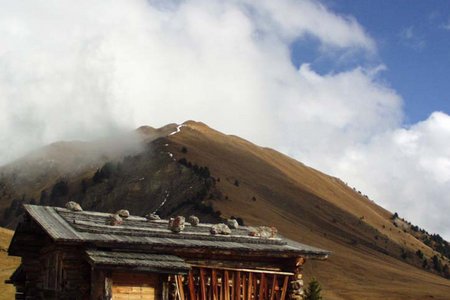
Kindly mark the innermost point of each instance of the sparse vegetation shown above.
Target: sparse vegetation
(437, 264)
(200, 171)
(60, 189)
(313, 292)
(104, 173)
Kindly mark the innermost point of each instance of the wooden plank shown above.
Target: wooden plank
(214, 284)
(274, 287)
(244, 290)
(191, 286)
(250, 284)
(202, 283)
(243, 270)
(261, 287)
(226, 285)
(284, 290)
(133, 286)
(237, 285)
(221, 290)
(180, 286)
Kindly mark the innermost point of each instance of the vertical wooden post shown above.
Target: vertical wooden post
(274, 287)
(250, 284)
(244, 288)
(285, 285)
(202, 284)
(221, 291)
(226, 285)
(237, 286)
(214, 284)
(261, 286)
(191, 286)
(180, 286)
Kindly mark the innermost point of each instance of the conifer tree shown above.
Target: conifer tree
(313, 290)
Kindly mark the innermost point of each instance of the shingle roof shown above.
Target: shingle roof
(138, 261)
(65, 226)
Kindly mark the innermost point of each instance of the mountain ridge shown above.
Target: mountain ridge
(192, 168)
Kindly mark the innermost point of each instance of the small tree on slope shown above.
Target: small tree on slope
(313, 290)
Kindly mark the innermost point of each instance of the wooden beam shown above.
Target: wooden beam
(180, 286)
(202, 283)
(274, 286)
(244, 290)
(261, 287)
(250, 284)
(191, 286)
(214, 284)
(237, 286)
(244, 270)
(226, 285)
(284, 290)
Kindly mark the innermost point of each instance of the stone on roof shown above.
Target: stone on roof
(87, 227)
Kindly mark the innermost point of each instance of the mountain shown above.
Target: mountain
(193, 169)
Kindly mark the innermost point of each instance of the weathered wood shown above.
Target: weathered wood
(250, 285)
(202, 283)
(243, 270)
(237, 285)
(191, 286)
(274, 287)
(180, 286)
(226, 285)
(134, 286)
(284, 290)
(244, 288)
(214, 284)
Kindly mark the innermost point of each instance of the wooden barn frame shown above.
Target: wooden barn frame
(79, 255)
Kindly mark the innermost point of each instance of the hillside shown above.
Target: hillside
(7, 264)
(195, 169)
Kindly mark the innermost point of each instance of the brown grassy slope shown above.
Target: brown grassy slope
(311, 207)
(7, 265)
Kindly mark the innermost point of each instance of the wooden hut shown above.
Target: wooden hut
(68, 254)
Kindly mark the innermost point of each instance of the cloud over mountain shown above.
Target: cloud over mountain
(79, 70)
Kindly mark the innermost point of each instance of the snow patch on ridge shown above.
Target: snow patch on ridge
(178, 129)
(167, 194)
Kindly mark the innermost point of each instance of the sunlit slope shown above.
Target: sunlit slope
(7, 265)
(263, 186)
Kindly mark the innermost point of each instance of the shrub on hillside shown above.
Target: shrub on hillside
(313, 291)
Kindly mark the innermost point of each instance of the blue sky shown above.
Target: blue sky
(413, 42)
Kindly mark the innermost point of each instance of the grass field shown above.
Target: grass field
(7, 265)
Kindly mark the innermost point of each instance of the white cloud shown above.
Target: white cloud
(412, 39)
(79, 70)
(446, 26)
(406, 170)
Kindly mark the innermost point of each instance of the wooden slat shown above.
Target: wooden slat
(180, 286)
(274, 287)
(214, 284)
(191, 286)
(244, 290)
(243, 270)
(261, 287)
(132, 286)
(284, 290)
(226, 285)
(237, 285)
(202, 283)
(250, 284)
